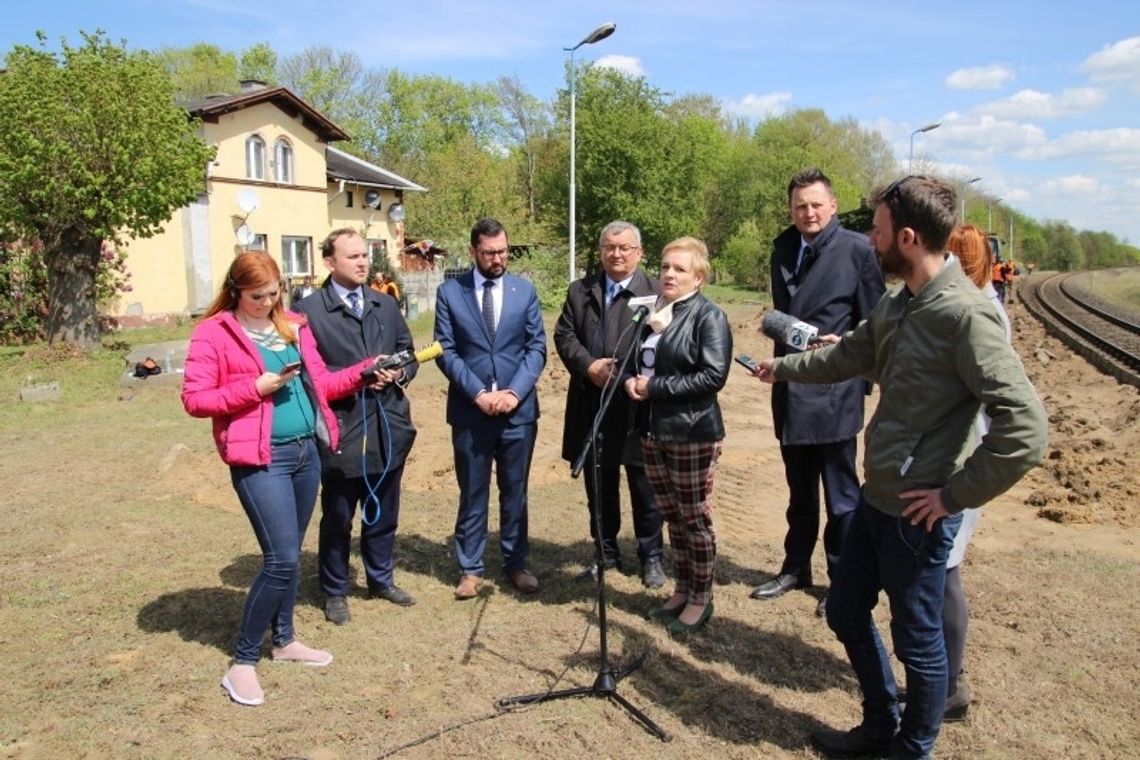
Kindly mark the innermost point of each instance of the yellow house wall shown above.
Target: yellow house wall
(167, 277)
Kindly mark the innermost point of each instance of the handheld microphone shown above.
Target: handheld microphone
(793, 333)
(408, 356)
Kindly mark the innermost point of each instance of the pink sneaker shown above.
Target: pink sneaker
(295, 651)
(241, 683)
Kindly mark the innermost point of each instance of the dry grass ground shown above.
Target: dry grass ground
(126, 560)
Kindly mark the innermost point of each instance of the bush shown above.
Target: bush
(23, 294)
(745, 257)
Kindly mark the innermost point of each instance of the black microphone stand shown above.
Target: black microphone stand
(605, 684)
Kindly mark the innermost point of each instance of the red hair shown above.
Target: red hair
(249, 270)
(972, 247)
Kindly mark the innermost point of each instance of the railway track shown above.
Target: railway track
(1106, 335)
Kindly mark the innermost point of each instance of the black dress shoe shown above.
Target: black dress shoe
(336, 610)
(780, 585)
(394, 594)
(855, 743)
(652, 574)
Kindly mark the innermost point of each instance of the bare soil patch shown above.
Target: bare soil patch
(127, 560)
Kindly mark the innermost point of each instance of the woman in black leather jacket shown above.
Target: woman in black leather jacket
(683, 362)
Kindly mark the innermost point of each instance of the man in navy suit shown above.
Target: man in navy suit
(829, 277)
(494, 348)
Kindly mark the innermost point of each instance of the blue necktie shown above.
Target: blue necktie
(354, 303)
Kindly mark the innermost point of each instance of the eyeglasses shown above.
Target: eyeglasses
(493, 252)
(894, 188)
(623, 249)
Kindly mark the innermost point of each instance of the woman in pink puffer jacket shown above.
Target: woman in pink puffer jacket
(254, 369)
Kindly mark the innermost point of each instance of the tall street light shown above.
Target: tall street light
(603, 31)
(990, 217)
(964, 186)
(927, 128)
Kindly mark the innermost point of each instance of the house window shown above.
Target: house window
(348, 199)
(254, 157)
(260, 243)
(377, 251)
(283, 161)
(295, 255)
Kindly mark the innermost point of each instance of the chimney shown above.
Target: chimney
(252, 85)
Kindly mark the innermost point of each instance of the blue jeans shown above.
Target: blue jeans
(888, 553)
(278, 500)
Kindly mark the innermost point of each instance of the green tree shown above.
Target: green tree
(92, 149)
(259, 61)
(527, 124)
(199, 70)
(338, 85)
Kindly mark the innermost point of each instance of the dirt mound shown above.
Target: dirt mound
(1087, 475)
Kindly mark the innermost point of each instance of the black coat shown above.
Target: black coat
(579, 341)
(343, 340)
(840, 285)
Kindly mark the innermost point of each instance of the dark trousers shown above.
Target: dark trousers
(886, 553)
(805, 467)
(510, 448)
(647, 518)
(339, 499)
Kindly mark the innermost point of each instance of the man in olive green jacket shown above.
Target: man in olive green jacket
(939, 353)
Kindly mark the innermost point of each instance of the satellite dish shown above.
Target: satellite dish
(396, 212)
(245, 235)
(247, 199)
(372, 199)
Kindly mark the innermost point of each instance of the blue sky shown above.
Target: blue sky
(1041, 100)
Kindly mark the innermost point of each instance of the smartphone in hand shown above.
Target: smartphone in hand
(289, 368)
(746, 361)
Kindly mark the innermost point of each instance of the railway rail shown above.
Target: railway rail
(1106, 335)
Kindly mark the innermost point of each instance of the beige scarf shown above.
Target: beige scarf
(661, 318)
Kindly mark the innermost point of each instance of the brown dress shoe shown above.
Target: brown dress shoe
(524, 581)
(469, 587)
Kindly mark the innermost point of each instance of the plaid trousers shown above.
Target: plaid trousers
(681, 475)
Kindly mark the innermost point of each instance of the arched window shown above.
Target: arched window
(283, 161)
(254, 157)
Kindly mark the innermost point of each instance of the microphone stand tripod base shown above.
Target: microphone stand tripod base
(605, 684)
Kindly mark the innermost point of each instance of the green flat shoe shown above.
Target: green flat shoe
(677, 627)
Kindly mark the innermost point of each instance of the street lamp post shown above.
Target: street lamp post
(990, 219)
(603, 31)
(927, 128)
(964, 186)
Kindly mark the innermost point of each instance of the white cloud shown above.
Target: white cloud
(979, 78)
(976, 138)
(758, 106)
(1118, 145)
(1076, 184)
(1134, 182)
(1118, 62)
(1031, 104)
(626, 64)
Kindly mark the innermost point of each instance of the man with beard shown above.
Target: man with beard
(938, 350)
(494, 348)
(351, 322)
(826, 276)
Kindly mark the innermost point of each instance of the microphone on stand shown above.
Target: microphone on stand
(641, 306)
(405, 357)
(788, 330)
